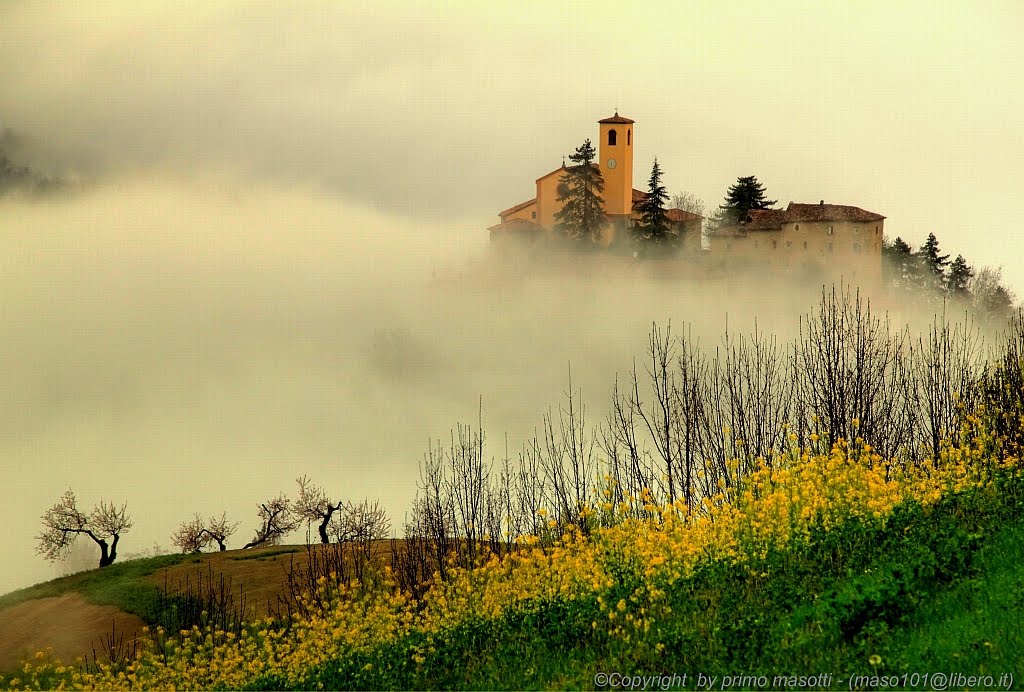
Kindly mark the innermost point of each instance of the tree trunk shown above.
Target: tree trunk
(108, 553)
(331, 509)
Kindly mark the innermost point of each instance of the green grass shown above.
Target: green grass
(120, 584)
(267, 554)
(976, 625)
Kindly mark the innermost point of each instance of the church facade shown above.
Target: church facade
(534, 219)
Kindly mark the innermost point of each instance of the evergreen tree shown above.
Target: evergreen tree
(582, 215)
(960, 274)
(933, 264)
(653, 226)
(745, 195)
(902, 265)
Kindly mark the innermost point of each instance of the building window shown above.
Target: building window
(830, 247)
(756, 243)
(805, 245)
(775, 244)
(533, 215)
(831, 230)
(789, 243)
(797, 227)
(629, 137)
(611, 138)
(857, 230)
(877, 231)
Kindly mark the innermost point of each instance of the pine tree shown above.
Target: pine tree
(904, 268)
(653, 226)
(959, 276)
(745, 195)
(582, 214)
(933, 264)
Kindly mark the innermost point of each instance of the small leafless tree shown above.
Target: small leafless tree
(191, 536)
(315, 507)
(220, 530)
(277, 519)
(568, 459)
(360, 521)
(195, 535)
(64, 523)
(945, 360)
(852, 374)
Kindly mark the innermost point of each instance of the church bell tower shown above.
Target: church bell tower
(616, 152)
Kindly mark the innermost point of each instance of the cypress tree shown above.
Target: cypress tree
(959, 276)
(933, 263)
(582, 214)
(653, 226)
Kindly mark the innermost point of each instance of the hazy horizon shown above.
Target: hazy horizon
(255, 282)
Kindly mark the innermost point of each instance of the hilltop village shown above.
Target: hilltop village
(801, 239)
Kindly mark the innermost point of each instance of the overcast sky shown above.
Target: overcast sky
(909, 109)
(319, 123)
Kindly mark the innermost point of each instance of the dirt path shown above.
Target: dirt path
(69, 624)
(72, 626)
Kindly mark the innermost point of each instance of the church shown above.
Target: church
(534, 219)
(803, 239)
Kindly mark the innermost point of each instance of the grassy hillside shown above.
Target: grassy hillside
(760, 549)
(834, 563)
(120, 584)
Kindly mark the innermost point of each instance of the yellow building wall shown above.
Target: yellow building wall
(852, 249)
(618, 181)
(547, 198)
(528, 213)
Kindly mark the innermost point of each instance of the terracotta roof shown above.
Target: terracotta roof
(772, 219)
(616, 119)
(765, 219)
(682, 215)
(829, 212)
(512, 210)
(638, 195)
(516, 226)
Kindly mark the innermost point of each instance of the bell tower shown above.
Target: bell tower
(616, 163)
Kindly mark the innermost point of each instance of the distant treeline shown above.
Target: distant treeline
(929, 273)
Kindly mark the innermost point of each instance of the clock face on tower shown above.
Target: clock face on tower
(611, 163)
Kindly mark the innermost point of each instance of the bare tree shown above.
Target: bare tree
(687, 201)
(569, 462)
(660, 417)
(277, 519)
(63, 523)
(315, 507)
(945, 362)
(195, 535)
(191, 536)
(360, 521)
(220, 530)
(852, 374)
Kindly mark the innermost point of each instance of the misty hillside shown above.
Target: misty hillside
(724, 516)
